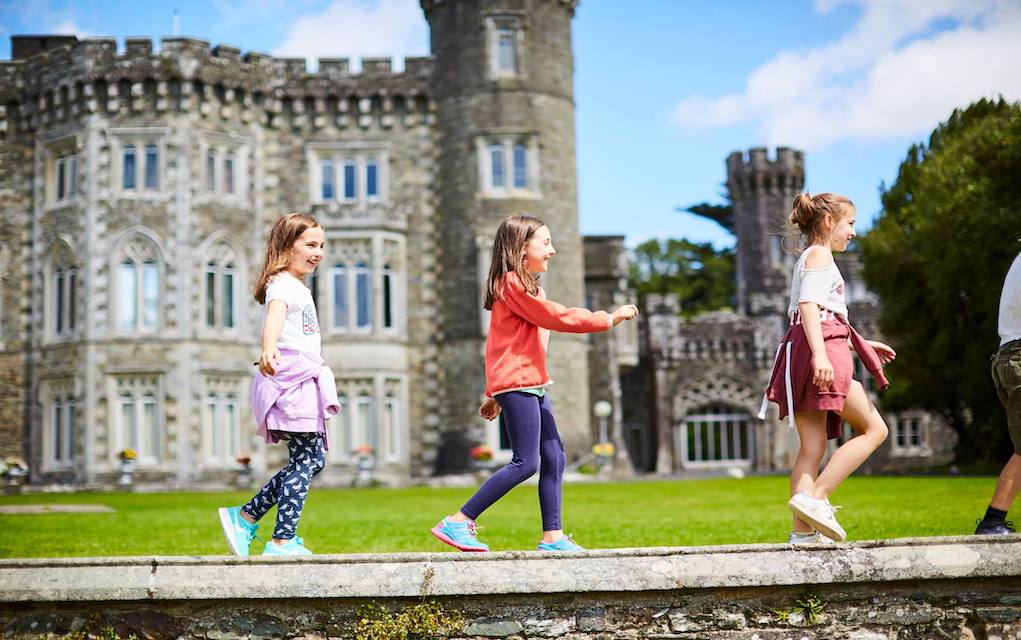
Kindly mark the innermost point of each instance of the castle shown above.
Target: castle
(139, 187)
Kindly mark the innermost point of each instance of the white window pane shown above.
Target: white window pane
(366, 429)
(129, 430)
(211, 171)
(391, 423)
(209, 424)
(150, 295)
(340, 311)
(520, 166)
(326, 179)
(507, 50)
(364, 296)
(228, 174)
(127, 291)
(152, 427)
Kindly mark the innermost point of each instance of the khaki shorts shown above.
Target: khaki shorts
(1007, 377)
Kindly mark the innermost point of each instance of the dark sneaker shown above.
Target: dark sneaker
(1002, 529)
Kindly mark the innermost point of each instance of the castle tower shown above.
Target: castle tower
(503, 83)
(761, 191)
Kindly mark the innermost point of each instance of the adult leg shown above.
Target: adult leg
(307, 459)
(552, 460)
(521, 417)
(812, 433)
(869, 424)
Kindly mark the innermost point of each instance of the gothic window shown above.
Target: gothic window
(138, 286)
(138, 416)
(62, 292)
(365, 286)
(221, 423)
(508, 166)
(370, 416)
(59, 434)
(716, 434)
(221, 287)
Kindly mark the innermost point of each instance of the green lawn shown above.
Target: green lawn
(648, 513)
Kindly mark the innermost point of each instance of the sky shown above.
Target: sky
(665, 89)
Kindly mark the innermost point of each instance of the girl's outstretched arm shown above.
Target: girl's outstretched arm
(276, 311)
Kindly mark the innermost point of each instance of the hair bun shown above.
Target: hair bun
(802, 210)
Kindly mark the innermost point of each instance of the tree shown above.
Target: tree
(937, 257)
(701, 275)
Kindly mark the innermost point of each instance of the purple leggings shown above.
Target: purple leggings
(537, 447)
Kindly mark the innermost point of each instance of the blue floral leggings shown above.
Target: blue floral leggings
(289, 487)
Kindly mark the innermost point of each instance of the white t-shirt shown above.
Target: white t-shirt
(821, 285)
(301, 324)
(1009, 323)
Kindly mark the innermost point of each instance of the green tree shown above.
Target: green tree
(937, 257)
(701, 275)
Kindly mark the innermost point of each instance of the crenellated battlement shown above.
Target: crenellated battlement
(429, 5)
(757, 171)
(91, 75)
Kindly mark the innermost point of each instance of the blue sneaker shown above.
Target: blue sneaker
(563, 544)
(293, 547)
(238, 531)
(460, 535)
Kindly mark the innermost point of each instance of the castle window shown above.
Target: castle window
(138, 287)
(327, 172)
(211, 171)
(128, 169)
(371, 180)
(909, 435)
(504, 35)
(365, 286)
(221, 423)
(349, 176)
(221, 287)
(508, 166)
(152, 172)
(350, 181)
(138, 418)
(370, 415)
(64, 289)
(716, 434)
(228, 173)
(59, 433)
(224, 165)
(146, 155)
(66, 180)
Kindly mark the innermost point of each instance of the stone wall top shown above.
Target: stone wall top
(449, 574)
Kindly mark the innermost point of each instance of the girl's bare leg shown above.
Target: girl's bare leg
(812, 431)
(872, 431)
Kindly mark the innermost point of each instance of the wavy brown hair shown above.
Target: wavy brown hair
(509, 255)
(282, 237)
(808, 212)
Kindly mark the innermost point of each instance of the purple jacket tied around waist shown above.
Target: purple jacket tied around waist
(298, 399)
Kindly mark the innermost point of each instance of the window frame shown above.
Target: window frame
(723, 417)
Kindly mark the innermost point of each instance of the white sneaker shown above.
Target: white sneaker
(809, 538)
(818, 513)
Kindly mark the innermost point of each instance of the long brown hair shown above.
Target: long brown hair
(508, 255)
(281, 238)
(808, 212)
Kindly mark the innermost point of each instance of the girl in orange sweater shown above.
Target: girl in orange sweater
(516, 379)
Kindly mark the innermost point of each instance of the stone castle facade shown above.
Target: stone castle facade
(139, 186)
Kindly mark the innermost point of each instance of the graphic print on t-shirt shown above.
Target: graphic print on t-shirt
(309, 322)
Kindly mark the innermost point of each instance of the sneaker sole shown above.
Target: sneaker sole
(818, 525)
(228, 530)
(448, 540)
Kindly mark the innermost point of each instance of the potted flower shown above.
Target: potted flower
(365, 459)
(243, 469)
(14, 471)
(127, 458)
(603, 451)
(481, 456)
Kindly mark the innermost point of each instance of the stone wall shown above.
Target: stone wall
(963, 587)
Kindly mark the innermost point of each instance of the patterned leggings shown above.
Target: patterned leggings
(289, 487)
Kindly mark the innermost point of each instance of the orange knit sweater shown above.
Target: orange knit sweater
(519, 329)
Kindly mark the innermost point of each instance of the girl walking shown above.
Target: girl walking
(293, 393)
(812, 374)
(517, 381)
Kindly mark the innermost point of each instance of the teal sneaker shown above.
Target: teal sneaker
(563, 544)
(460, 535)
(238, 531)
(293, 547)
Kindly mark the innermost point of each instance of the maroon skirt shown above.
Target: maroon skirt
(794, 364)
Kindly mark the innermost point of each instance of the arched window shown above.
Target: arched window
(716, 433)
(221, 287)
(138, 286)
(62, 292)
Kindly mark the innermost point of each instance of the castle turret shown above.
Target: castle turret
(761, 191)
(505, 129)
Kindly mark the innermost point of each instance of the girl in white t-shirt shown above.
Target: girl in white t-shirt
(293, 393)
(812, 378)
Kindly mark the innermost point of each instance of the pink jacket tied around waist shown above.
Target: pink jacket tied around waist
(298, 399)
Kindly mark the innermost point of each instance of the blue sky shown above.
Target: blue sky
(666, 89)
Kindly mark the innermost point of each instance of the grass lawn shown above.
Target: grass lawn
(634, 514)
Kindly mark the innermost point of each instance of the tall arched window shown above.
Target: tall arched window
(62, 292)
(221, 287)
(138, 286)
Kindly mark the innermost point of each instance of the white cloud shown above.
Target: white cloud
(387, 28)
(892, 75)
